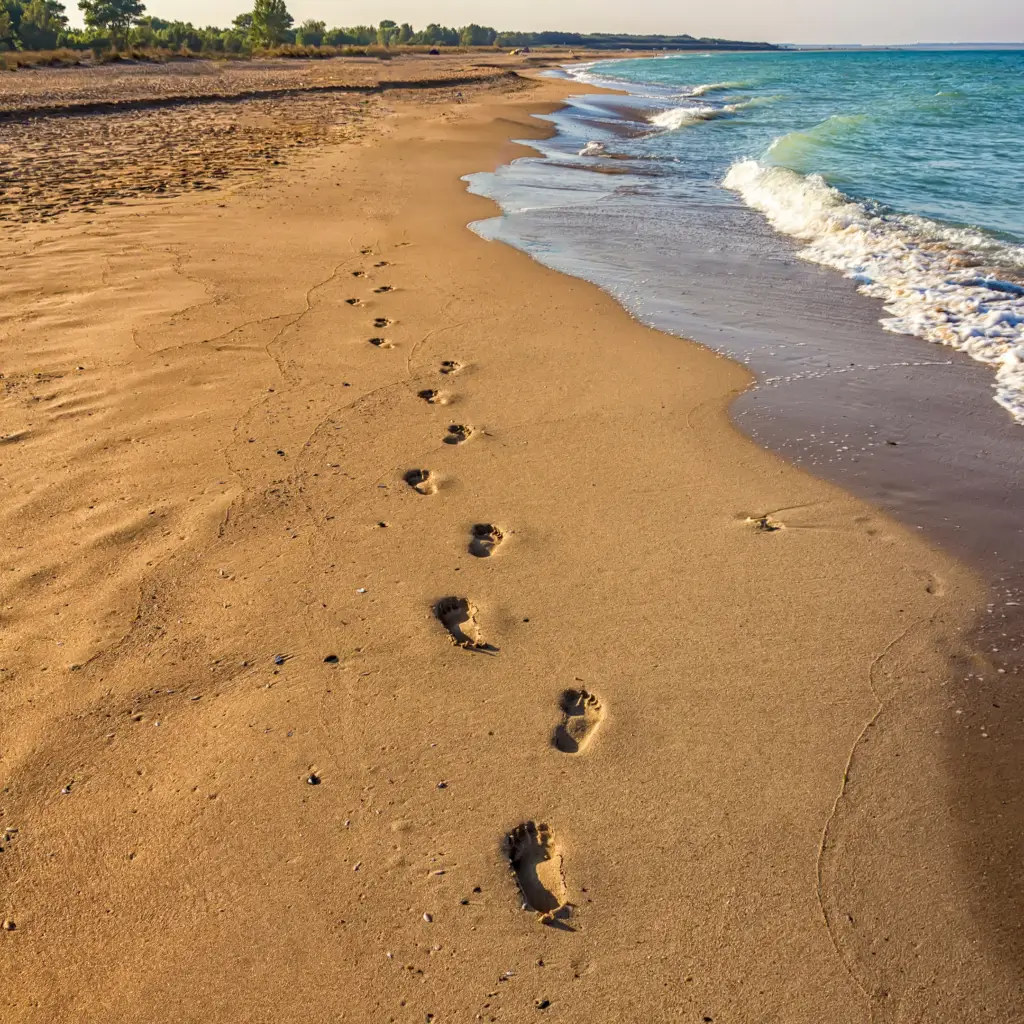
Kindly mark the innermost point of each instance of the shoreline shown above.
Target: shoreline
(226, 513)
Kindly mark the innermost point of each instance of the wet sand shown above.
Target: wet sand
(389, 635)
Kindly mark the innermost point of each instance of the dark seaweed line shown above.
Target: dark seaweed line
(156, 102)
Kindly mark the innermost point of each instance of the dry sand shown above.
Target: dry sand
(248, 774)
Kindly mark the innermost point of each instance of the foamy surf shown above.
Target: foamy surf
(702, 90)
(927, 274)
(680, 117)
(683, 117)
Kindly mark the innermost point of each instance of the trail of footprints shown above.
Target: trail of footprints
(531, 849)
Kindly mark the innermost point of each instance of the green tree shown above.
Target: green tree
(6, 30)
(115, 16)
(405, 33)
(42, 21)
(385, 30)
(270, 22)
(477, 35)
(311, 33)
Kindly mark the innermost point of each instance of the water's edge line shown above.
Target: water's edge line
(547, 130)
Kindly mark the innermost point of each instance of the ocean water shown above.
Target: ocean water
(902, 171)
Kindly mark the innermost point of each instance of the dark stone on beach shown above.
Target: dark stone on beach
(331, 659)
(313, 780)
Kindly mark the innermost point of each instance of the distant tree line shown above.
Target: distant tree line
(123, 24)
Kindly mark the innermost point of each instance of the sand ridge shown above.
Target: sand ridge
(256, 570)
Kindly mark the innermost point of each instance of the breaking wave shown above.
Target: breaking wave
(952, 286)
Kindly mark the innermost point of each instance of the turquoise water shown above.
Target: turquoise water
(901, 170)
(933, 134)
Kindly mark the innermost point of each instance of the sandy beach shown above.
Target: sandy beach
(394, 630)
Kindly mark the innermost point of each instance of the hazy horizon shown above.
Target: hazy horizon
(872, 22)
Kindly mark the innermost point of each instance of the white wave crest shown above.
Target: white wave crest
(701, 90)
(592, 148)
(680, 117)
(926, 273)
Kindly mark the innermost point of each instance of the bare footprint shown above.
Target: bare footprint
(581, 715)
(536, 861)
(383, 263)
(483, 539)
(433, 397)
(383, 288)
(421, 480)
(359, 273)
(381, 343)
(458, 616)
(450, 366)
(457, 433)
(381, 322)
(353, 302)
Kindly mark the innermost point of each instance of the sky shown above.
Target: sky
(782, 21)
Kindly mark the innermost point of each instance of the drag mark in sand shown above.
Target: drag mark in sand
(765, 524)
(883, 1004)
(458, 617)
(483, 539)
(581, 715)
(536, 861)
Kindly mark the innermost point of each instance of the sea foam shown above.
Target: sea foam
(680, 117)
(701, 90)
(931, 277)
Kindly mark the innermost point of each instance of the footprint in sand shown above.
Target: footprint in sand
(383, 288)
(450, 366)
(581, 715)
(359, 273)
(366, 251)
(353, 302)
(483, 539)
(458, 616)
(381, 322)
(422, 481)
(433, 397)
(380, 343)
(536, 861)
(383, 263)
(457, 433)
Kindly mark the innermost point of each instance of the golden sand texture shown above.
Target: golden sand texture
(213, 122)
(308, 714)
